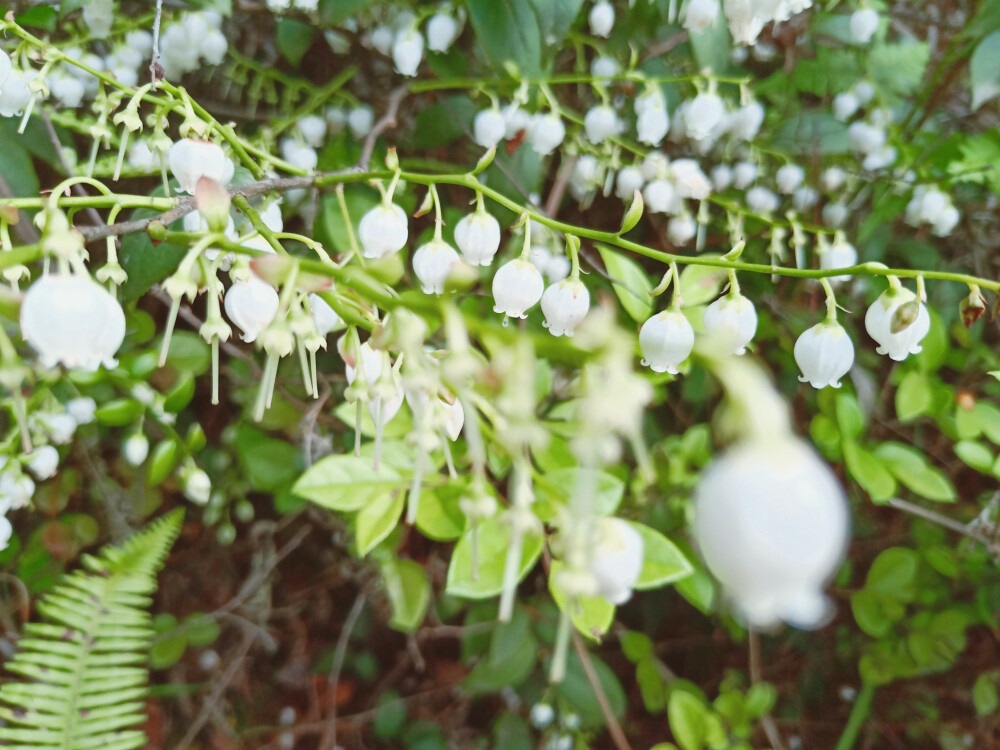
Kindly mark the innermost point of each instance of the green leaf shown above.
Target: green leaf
(347, 482)
(870, 615)
(510, 660)
(869, 472)
(913, 397)
(493, 540)
(691, 720)
(651, 685)
(609, 491)
(267, 463)
(592, 615)
(188, 353)
(438, 515)
(910, 467)
(294, 39)
(711, 46)
(508, 33)
(662, 562)
(850, 419)
(335, 12)
(630, 283)
(636, 645)
(812, 132)
(898, 69)
(975, 454)
(409, 593)
(578, 692)
(162, 461)
(376, 520)
(984, 694)
(444, 122)
(893, 574)
(120, 412)
(701, 284)
(145, 263)
(17, 168)
(984, 70)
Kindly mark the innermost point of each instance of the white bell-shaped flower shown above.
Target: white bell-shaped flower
(655, 165)
(898, 322)
(489, 127)
(702, 115)
(602, 19)
(565, 305)
(744, 174)
(832, 179)
(43, 462)
(16, 491)
(722, 177)
(383, 230)
(312, 128)
(135, 449)
(845, 105)
(324, 316)
(825, 354)
(689, 180)
(604, 67)
(865, 138)
(407, 51)
(772, 522)
(789, 177)
(99, 15)
(601, 122)
(442, 30)
(627, 181)
(804, 198)
(682, 229)
(360, 121)
(5, 67)
(700, 14)
(517, 287)
(864, 24)
(380, 39)
(432, 262)
(299, 154)
(213, 47)
(653, 125)
(14, 94)
(382, 407)
(660, 197)
(732, 321)
(615, 558)
(190, 160)
(946, 221)
(478, 237)
(835, 214)
(251, 305)
(72, 321)
(82, 409)
(746, 121)
(864, 91)
(760, 200)
(666, 340)
(546, 133)
(840, 254)
(59, 427)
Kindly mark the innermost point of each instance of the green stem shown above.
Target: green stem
(862, 707)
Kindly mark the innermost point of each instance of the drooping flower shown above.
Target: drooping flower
(72, 320)
(43, 462)
(840, 254)
(771, 522)
(135, 449)
(517, 287)
(407, 51)
(682, 229)
(733, 321)
(653, 125)
(546, 133)
(251, 305)
(702, 114)
(825, 354)
(324, 316)
(700, 14)
(898, 322)
(864, 24)
(442, 30)
(565, 305)
(383, 230)
(666, 340)
(628, 180)
(478, 237)
(432, 262)
(601, 122)
(489, 127)
(602, 19)
(615, 559)
(845, 105)
(789, 177)
(191, 159)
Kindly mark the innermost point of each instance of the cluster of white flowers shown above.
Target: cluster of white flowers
(402, 41)
(193, 40)
(929, 205)
(305, 6)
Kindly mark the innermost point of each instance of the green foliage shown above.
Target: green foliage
(86, 663)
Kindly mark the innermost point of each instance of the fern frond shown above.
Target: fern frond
(87, 664)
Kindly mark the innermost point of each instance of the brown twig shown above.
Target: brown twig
(384, 123)
(610, 720)
(949, 523)
(329, 739)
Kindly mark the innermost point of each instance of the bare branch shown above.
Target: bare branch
(384, 123)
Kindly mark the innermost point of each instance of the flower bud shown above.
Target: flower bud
(744, 173)
(489, 127)
(733, 321)
(845, 105)
(682, 229)
(565, 305)
(841, 254)
(628, 180)
(299, 154)
(14, 94)
(360, 121)
(652, 126)
(834, 215)
(789, 177)
(383, 230)
(197, 487)
(432, 262)
(832, 179)
(771, 522)
(825, 354)
(700, 14)
(666, 340)
(541, 715)
(760, 200)
(213, 202)
(135, 449)
(898, 322)
(865, 138)
(602, 19)
(324, 316)
(660, 197)
(722, 177)
(313, 130)
(478, 237)
(98, 15)
(517, 286)
(747, 120)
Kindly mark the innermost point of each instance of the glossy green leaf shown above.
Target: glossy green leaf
(377, 519)
(592, 615)
(493, 540)
(629, 281)
(409, 593)
(984, 70)
(347, 482)
(662, 561)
